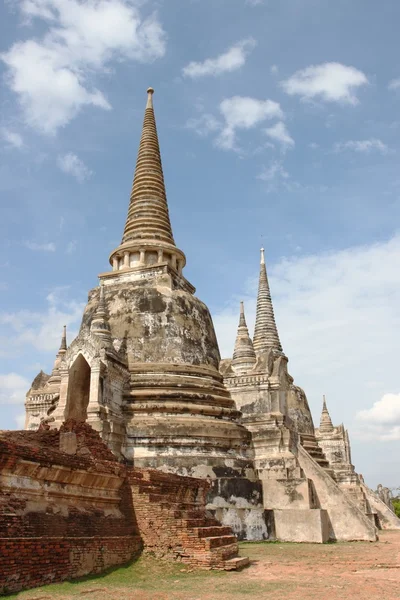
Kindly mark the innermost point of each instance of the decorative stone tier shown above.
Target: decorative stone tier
(177, 413)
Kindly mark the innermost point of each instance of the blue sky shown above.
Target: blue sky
(279, 126)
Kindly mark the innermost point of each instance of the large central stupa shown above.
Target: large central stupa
(144, 367)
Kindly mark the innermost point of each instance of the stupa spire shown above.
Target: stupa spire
(265, 333)
(326, 424)
(244, 357)
(63, 345)
(148, 237)
(59, 356)
(100, 325)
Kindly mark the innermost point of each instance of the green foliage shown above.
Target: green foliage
(396, 504)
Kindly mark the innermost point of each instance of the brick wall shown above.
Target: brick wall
(64, 516)
(31, 562)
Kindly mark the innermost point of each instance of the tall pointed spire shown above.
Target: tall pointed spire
(244, 357)
(148, 215)
(265, 332)
(148, 238)
(326, 425)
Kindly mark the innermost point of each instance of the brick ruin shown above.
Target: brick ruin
(68, 508)
(145, 372)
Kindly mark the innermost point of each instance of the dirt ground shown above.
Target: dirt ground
(342, 571)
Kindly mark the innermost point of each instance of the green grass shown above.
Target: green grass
(152, 575)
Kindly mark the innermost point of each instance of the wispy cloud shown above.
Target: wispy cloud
(71, 247)
(42, 329)
(394, 84)
(332, 82)
(51, 75)
(47, 247)
(204, 125)
(12, 138)
(279, 133)
(274, 171)
(231, 60)
(71, 164)
(362, 146)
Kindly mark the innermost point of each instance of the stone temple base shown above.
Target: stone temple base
(302, 525)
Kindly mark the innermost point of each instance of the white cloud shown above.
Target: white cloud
(52, 75)
(279, 133)
(204, 125)
(382, 421)
(231, 60)
(254, 2)
(338, 317)
(48, 247)
(362, 146)
(12, 137)
(241, 112)
(274, 69)
(42, 329)
(71, 164)
(13, 388)
(332, 82)
(394, 84)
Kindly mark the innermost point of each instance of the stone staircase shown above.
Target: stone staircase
(170, 512)
(310, 444)
(208, 543)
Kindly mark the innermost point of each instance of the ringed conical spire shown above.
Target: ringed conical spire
(326, 425)
(148, 237)
(148, 216)
(265, 333)
(244, 357)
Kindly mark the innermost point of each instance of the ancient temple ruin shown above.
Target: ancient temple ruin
(146, 373)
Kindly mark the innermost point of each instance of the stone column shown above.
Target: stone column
(59, 413)
(115, 263)
(126, 260)
(160, 256)
(142, 258)
(173, 261)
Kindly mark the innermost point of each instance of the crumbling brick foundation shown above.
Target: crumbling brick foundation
(68, 508)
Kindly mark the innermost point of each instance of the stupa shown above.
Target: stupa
(145, 372)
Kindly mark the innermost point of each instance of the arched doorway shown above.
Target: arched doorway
(78, 390)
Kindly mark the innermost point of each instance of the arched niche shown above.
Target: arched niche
(78, 389)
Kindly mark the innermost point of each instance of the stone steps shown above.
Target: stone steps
(234, 564)
(220, 540)
(213, 531)
(310, 444)
(213, 545)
